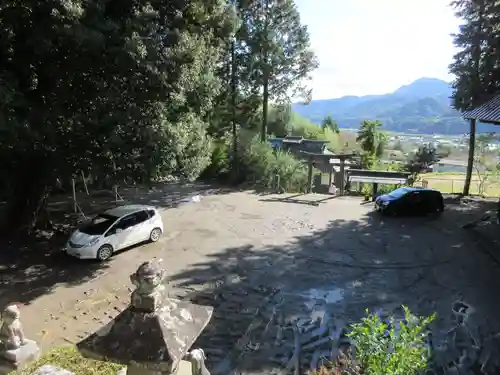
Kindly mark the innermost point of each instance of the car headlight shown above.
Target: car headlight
(92, 242)
(385, 203)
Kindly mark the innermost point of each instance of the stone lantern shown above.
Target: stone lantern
(154, 335)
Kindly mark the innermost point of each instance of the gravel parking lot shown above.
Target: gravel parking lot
(235, 250)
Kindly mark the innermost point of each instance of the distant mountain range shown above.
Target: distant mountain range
(421, 107)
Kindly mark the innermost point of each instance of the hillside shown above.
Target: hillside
(420, 107)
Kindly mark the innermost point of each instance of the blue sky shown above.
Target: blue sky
(375, 46)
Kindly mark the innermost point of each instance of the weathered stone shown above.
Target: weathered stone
(28, 352)
(154, 333)
(15, 349)
(52, 370)
(197, 359)
(11, 331)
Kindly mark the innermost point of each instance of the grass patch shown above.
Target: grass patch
(68, 358)
(453, 183)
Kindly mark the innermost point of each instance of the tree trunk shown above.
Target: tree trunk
(470, 161)
(265, 76)
(265, 104)
(27, 206)
(233, 107)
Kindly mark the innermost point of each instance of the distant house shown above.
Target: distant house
(297, 144)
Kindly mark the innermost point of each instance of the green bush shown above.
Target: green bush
(219, 166)
(262, 165)
(394, 348)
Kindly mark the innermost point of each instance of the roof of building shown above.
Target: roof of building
(488, 112)
(447, 161)
(293, 139)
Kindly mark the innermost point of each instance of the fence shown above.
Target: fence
(455, 185)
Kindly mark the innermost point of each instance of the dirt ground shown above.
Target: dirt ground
(236, 250)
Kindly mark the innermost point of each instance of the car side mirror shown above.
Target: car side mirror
(118, 230)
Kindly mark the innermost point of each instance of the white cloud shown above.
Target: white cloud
(373, 47)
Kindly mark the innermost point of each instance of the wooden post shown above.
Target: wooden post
(85, 184)
(342, 176)
(330, 176)
(310, 175)
(470, 161)
(375, 191)
(75, 205)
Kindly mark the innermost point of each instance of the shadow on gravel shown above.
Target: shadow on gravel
(33, 266)
(352, 265)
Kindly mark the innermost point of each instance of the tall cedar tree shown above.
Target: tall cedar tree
(477, 64)
(276, 50)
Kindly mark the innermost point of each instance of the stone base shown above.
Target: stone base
(18, 358)
(184, 369)
(52, 370)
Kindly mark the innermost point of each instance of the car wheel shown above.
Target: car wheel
(155, 235)
(104, 252)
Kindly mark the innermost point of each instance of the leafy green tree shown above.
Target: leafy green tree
(423, 159)
(372, 141)
(330, 123)
(280, 120)
(278, 57)
(119, 89)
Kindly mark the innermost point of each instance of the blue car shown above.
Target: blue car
(410, 201)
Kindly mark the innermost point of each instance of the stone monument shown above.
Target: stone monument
(154, 335)
(15, 349)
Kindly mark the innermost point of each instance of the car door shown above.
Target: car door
(406, 204)
(434, 202)
(120, 234)
(142, 227)
(428, 201)
(416, 203)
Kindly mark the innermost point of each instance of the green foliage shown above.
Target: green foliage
(280, 120)
(138, 90)
(275, 50)
(372, 142)
(331, 124)
(425, 157)
(68, 358)
(475, 65)
(115, 100)
(391, 349)
(261, 164)
(219, 166)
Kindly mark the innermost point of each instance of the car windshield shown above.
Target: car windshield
(398, 193)
(99, 224)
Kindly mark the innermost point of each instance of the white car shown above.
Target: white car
(114, 230)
